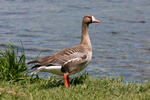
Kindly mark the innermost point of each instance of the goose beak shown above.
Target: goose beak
(94, 20)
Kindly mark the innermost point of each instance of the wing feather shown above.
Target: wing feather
(64, 57)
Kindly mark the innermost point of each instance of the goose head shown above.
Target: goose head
(90, 19)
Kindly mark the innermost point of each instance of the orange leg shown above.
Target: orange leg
(66, 80)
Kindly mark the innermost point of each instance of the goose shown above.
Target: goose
(69, 60)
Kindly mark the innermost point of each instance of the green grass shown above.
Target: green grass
(12, 64)
(16, 85)
(82, 87)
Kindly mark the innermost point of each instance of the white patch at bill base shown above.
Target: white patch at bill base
(93, 18)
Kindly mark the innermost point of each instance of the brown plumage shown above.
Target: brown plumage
(70, 60)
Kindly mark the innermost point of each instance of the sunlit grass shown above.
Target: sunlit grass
(88, 89)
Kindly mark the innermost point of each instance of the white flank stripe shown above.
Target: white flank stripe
(72, 60)
(50, 67)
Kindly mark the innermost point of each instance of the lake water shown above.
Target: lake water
(121, 42)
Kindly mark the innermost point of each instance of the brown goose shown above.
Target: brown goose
(70, 60)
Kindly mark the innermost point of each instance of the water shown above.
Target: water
(121, 42)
